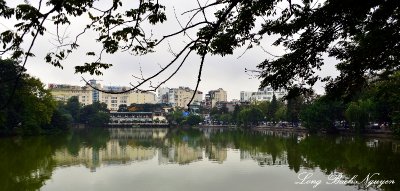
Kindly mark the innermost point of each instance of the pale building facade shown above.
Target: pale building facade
(264, 94)
(179, 97)
(88, 95)
(163, 94)
(114, 100)
(215, 96)
(245, 96)
(63, 92)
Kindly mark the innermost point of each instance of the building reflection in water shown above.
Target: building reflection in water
(267, 148)
(180, 153)
(135, 145)
(113, 153)
(264, 158)
(92, 149)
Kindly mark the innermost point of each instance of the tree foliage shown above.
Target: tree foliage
(178, 117)
(32, 105)
(322, 114)
(250, 116)
(294, 107)
(362, 35)
(95, 114)
(74, 108)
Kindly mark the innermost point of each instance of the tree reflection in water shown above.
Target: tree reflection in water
(28, 162)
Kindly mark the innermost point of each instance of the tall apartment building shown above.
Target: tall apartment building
(88, 95)
(215, 96)
(179, 97)
(264, 94)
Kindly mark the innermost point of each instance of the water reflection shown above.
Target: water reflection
(26, 163)
(98, 148)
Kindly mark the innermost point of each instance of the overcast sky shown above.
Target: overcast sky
(219, 72)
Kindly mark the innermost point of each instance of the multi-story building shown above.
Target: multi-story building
(245, 96)
(95, 93)
(87, 95)
(267, 93)
(163, 95)
(215, 96)
(179, 97)
(114, 100)
(63, 92)
(264, 94)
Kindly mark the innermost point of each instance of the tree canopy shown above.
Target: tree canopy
(363, 35)
(32, 106)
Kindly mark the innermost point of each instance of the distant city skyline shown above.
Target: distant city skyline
(157, 93)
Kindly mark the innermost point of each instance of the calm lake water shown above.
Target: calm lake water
(206, 159)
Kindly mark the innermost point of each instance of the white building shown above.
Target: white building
(245, 96)
(162, 95)
(264, 94)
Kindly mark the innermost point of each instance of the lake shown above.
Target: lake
(197, 159)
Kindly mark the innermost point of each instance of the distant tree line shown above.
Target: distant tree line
(180, 117)
(377, 105)
(252, 114)
(95, 114)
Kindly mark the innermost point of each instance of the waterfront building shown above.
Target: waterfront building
(245, 96)
(163, 94)
(87, 95)
(95, 93)
(215, 96)
(264, 94)
(131, 117)
(114, 100)
(179, 97)
(63, 92)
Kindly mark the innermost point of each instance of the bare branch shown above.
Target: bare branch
(204, 7)
(269, 52)
(177, 69)
(183, 30)
(170, 49)
(198, 80)
(202, 10)
(244, 52)
(147, 79)
(208, 40)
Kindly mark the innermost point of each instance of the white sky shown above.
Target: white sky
(218, 72)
